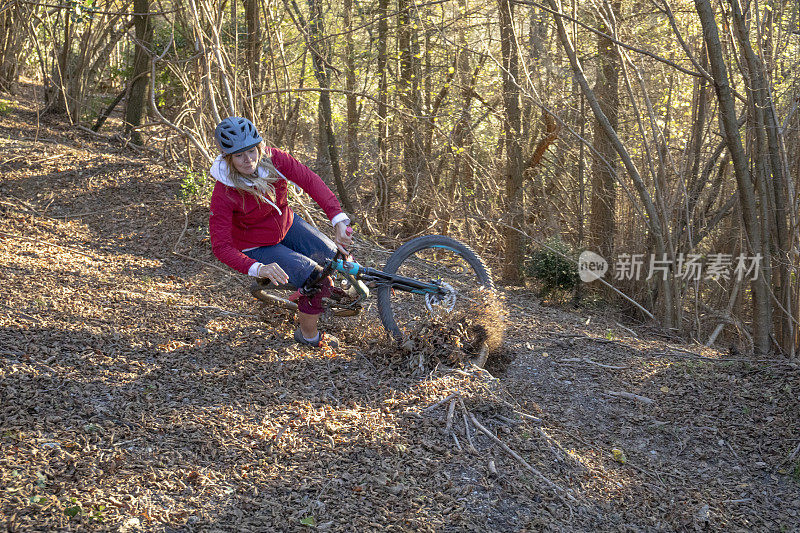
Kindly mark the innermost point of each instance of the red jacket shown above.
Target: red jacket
(239, 221)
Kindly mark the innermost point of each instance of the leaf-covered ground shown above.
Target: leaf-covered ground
(144, 389)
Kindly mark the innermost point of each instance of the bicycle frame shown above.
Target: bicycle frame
(359, 277)
(353, 272)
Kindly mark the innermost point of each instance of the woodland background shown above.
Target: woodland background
(654, 127)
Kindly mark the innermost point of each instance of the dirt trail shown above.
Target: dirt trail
(144, 390)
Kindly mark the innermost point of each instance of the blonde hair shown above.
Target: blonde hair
(258, 186)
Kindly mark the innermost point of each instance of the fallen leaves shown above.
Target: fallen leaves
(145, 391)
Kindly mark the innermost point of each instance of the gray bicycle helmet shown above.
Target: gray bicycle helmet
(236, 134)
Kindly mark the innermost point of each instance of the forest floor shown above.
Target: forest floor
(143, 389)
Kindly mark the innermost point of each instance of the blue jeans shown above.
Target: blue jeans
(299, 253)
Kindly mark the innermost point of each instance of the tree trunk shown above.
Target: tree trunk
(762, 309)
(56, 93)
(134, 110)
(350, 86)
(695, 180)
(11, 42)
(381, 177)
(512, 128)
(253, 41)
(604, 189)
(408, 88)
(774, 182)
(581, 171)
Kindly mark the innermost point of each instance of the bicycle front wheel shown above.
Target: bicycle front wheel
(431, 258)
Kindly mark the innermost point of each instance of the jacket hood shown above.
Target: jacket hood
(221, 173)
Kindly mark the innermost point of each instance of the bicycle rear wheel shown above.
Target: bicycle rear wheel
(439, 259)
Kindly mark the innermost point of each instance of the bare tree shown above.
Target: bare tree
(381, 176)
(12, 40)
(253, 42)
(135, 108)
(604, 185)
(350, 87)
(408, 87)
(512, 128)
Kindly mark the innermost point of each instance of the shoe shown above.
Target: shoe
(324, 338)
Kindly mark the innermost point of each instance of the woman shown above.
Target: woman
(254, 231)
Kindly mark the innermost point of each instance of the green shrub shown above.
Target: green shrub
(554, 265)
(194, 187)
(5, 107)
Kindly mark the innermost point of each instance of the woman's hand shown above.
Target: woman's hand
(274, 272)
(343, 238)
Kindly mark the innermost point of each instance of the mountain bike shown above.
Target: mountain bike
(424, 277)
